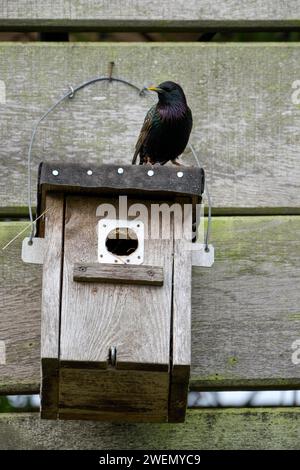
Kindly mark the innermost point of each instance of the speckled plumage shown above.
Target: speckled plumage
(166, 128)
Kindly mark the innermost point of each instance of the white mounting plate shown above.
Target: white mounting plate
(33, 253)
(203, 258)
(105, 226)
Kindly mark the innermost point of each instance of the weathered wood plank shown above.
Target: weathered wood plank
(133, 179)
(245, 120)
(51, 298)
(85, 334)
(181, 323)
(123, 274)
(245, 310)
(20, 310)
(222, 429)
(153, 15)
(135, 319)
(114, 395)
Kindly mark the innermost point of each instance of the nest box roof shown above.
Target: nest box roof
(141, 181)
(137, 181)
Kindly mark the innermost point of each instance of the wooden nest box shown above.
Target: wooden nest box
(116, 303)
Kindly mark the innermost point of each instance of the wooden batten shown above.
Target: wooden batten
(124, 274)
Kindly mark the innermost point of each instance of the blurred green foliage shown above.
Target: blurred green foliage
(18, 403)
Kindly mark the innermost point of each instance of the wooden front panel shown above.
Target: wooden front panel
(95, 317)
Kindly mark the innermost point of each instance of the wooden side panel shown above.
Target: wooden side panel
(51, 301)
(181, 334)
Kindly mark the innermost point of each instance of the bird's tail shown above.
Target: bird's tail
(135, 157)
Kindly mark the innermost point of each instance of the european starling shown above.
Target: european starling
(167, 127)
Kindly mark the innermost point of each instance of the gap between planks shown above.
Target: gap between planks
(21, 213)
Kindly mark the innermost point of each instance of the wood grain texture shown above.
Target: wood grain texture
(255, 428)
(20, 310)
(245, 310)
(123, 274)
(52, 272)
(113, 395)
(51, 301)
(163, 182)
(130, 15)
(245, 314)
(181, 326)
(134, 319)
(245, 123)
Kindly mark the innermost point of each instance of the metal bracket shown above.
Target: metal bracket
(112, 356)
(202, 256)
(33, 250)
(105, 226)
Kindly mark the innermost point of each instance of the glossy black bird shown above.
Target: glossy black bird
(167, 127)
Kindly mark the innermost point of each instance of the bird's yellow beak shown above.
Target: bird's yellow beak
(155, 88)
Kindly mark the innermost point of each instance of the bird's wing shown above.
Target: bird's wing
(144, 132)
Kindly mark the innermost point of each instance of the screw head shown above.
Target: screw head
(179, 174)
(120, 171)
(150, 173)
(89, 172)
(55, 172)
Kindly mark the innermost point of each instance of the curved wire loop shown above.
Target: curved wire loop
(70, 94)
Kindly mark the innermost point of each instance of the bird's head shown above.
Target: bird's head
(169, 93)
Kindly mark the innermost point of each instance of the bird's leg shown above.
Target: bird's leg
(148, 161)
(175, 162)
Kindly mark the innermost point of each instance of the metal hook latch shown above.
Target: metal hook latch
(112, 356)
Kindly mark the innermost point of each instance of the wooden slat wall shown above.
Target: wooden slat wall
(204, 429)
(155, 15)
(245, 122)
(245, 310)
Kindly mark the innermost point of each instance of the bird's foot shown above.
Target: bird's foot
(175, 162)
(148, 161)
